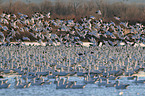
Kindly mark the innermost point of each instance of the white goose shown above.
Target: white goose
(99, 12)
(18, 85)
(39, 82)
(61, 85)
(28, 84)
(138, 81)
(108, 84)
(121, 86)
(4, 85)
(101, 83)
(76, 86)
(88, 80)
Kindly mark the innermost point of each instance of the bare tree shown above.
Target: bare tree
(46, 6)
(76, 4)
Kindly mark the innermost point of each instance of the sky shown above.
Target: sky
(127, 1)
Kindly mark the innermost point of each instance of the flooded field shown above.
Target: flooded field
(89, 90)
(59, 70)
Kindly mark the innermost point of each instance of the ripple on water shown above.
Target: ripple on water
(89, 90)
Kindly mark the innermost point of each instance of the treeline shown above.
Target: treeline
(76, 9)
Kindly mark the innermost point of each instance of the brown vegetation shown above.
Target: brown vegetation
(76, 9)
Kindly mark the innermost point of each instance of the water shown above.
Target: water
(89, 90)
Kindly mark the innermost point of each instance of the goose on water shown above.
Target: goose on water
(4, 85)
(121, 86)
(34, 82)
(17, 85)
(102, 83)
(131, 77)
(88, 80)
(77, 86)
(138, 81)
(113, 77)
(61, 85)
(108, 84)
(28, 84)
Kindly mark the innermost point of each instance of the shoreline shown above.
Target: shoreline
(84, 43)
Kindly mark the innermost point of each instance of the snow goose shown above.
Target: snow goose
(2, 37)
(130, 77)
(39, 82)
(17, 85)
(108, 84)
(4, 85)
(61, 86)
(48, 15)
(69, 83)
(117, 18)
(121, 86)
(88, 80)
(8, 71)
(138, 81)
(101, 83)
(99, 12)
(77, 86)
(26, 38)
(47, 82)
(28, 84)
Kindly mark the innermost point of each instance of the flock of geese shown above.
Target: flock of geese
(102, 64)
(39, 65)
(41, 28)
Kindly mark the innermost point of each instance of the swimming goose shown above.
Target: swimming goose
(17, 85)
(28, 84)
(77, 86)
(61, 85)
(121, 86)
(7, 71)
(4, 85)
(47, 82)
(102, 83)
(108, 84)
(4, 81)
(34, 82)
(131, 77)
(69, 83)
(138, 81)
(88, 80)
(113, 77)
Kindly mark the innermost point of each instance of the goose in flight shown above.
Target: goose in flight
(26, 38)
(117, 18)
(99, 12)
